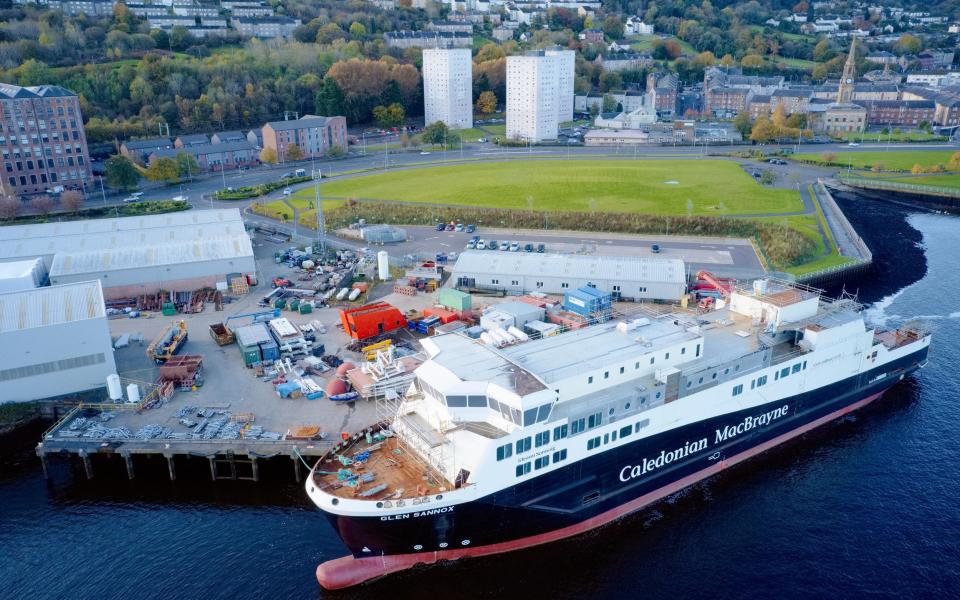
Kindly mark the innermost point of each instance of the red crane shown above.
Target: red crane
(722, 286)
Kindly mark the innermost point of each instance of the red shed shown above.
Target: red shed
(371, 320)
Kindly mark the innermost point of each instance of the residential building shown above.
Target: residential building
(539, 94)
(224, 156)
(148, 10)
(882, 57)
(315, 136)
(450, 26)
(255, 137)
(265, 27)
(900, 113)
(663, 89)
(140, 150)
(591, 36)
(794, 100)
(427, 39)
(448, 87)
(636, 26)
(759, 104)
(197, 139)
(618, 61)
(197, 11)
(252, 11)
(168, 22)
(636, 119)
(932, 60)
(42, 139)
(228, 136)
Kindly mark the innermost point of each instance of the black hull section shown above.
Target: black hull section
(590, 489)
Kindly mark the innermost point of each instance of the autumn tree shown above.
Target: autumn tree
(954, 162)
(828, 158)
(435, 133)
(909, 44)
(71, 200)
(293, 152)
(42, 204)
(667, 49)
(163, 169)
(268, 156)
(917, 169)
(763, 130)
(743, 123)
(121, 173)
(389, 116)
(9, 208)
(487, 103)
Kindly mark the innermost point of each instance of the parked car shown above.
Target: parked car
(515, 247)
(459, 227)
(424, 153)
(853, 144)
(471, 228)
(132, 198)
(471, 245)
(287, 191)
(450, 227)
(180, 198)
(483, 140)
(492, 245)
(134, 194)
(441, 226)
(541, 248)
(528, 248)
(286, 175)
(655, 248)
(504, 246)
(475, 238)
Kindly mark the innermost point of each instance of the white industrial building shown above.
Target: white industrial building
(178, 252)
(58, 341)
(539, 94)
(448, 87)
(625, 277)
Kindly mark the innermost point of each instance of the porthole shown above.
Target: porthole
(335, 501)
(610, 412)
(444, 544)
(465, 543)
(626, 406)
(418, 547)
(439, 496)
(379, 504)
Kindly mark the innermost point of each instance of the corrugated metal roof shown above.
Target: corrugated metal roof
(621, 268)
(151, 255)
(42, 307)
(93, 226)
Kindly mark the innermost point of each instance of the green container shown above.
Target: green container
(455, 300)
(305, 309)
(281, 303)
(168, 309)
(250, 355)
(295, 304)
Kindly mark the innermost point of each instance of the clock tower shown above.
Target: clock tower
(848, 80)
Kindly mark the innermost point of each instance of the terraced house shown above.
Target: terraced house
(42, 139)
(315, 136)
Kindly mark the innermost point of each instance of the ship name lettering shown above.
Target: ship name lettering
(731, 431)
(422, 513)
(651, 464)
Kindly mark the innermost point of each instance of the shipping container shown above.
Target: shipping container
(269, 351)
(521, 312)
(587, 301)
(371, 320)
(445, 316)
(455, 300)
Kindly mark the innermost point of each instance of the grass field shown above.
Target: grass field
(796, 63)
(894, 160)
(496, 129)
(944, 181)
(703, 188)
(471, 135)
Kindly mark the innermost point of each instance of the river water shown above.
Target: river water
(869, 506)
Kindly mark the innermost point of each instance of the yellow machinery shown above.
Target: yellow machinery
(168, 343)
(371, 351)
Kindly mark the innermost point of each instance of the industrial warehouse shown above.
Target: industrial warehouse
(132, 256)
(61, 338)
(623, 277)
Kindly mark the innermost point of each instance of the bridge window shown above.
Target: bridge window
(761, 381)
(594, 420)
(698, 350)
(505, 451)
(523, 445)
(559, 432)
(477, 401)
(796, 368)
(577, 426)
(457, 401)
(784, 371)
(542, 438)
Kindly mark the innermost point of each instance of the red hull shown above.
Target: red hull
(349, 571)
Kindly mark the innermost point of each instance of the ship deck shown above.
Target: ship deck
(389, 472)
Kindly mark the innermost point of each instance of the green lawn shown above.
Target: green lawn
(497, 129)
(471, 135)
(898, 160)
(796, 63)
(945, 181)
(705, 187)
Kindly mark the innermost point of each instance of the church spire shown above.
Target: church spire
(845, 93)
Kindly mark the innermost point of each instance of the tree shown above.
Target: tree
(71, 200)
(357, 30)
(181, 38)
(487, 103)
(909, 44)
(329, 98)
(609, 103)
(752, 61)
(666, 49)
(121, 173)
(954, 162)
(727, 61)
(186, 165)
(823, 50)
(42, 204)
(828, 158)
(743, 123)
(389, 116)
(268, 156)
(763, 130)
(612, 27)
(293, 152)
(767, 177)
(9, 208)
(163, 169)
(329, 33)
(435, 133)
(917, 169)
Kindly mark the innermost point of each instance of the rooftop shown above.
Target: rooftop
(38, 91)
(622, 268)
(54, 305)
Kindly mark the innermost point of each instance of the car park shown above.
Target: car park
(528, 248)
(515, 247)
(504, 246)
(541, 248)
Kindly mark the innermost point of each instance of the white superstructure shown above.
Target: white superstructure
(502, 416)
(448, 87)
(539, 94)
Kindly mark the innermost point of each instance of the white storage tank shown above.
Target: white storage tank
(383, 265)
(354, 294)
(114, 389)
(133, 393)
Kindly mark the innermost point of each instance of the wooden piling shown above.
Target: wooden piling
(213, 470)
(255, 468)
(296, 467)
(170, 467)
(87, 464)
(129, 460)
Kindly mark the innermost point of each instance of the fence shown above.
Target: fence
(897, 186)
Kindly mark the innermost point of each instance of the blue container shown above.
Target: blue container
(586, 301)
(269, 351)
(475, 331)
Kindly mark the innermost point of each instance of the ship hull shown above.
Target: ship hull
(597, 490)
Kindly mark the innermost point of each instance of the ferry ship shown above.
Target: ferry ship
(492, 450)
